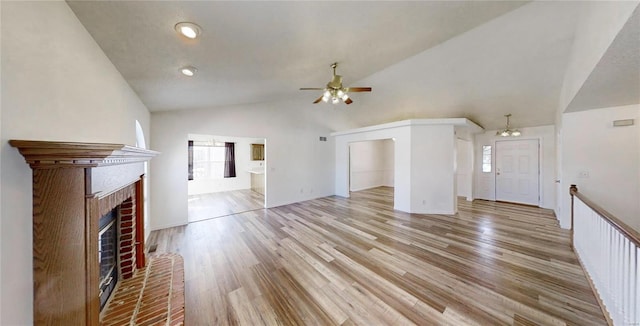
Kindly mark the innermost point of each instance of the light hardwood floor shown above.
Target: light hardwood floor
(355, 260)
(206, 206)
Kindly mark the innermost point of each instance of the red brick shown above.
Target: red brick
(166, 272)
(127, 203)
(128, 269)
(126, 218)
(126, 256)
(126, 243)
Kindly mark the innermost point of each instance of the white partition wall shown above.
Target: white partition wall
(424, 161)
(432, 175)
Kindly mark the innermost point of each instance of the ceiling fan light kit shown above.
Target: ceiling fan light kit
(334, 91)
(507, 131)
(334, 95)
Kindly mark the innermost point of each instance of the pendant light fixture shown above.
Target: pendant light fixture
(507, 131)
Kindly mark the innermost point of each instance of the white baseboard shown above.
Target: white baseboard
(365, 188)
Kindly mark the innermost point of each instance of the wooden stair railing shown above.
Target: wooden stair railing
(609, 251)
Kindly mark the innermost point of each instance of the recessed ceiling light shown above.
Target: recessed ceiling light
(188, 71)
(189, 30)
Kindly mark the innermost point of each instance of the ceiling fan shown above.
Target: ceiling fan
(334, 91)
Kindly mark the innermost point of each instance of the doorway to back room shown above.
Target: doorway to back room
(227, 175)
(464, 169)
(371, 165)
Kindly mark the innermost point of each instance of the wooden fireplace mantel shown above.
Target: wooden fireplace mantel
(73, 184)
(49, 154)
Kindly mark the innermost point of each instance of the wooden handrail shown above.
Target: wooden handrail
(622, 227)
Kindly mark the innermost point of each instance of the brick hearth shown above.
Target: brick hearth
(153, 296)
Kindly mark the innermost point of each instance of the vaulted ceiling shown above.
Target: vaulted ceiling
(615, 80)
(430, 59)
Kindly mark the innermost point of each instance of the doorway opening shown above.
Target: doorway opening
(464, 169)
(227, 175)
(518, 171)
(371, 166)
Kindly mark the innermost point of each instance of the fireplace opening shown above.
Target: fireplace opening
(108, 255)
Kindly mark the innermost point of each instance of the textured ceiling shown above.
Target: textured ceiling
(251, 52)
(424, 59)
(615, 81)
(514, 64)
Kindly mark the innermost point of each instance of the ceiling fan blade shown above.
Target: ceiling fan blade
(358, 89)
(311, 89)
(348, 101)
(318, 100)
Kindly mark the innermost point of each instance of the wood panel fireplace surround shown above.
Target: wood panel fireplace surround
(75, 185)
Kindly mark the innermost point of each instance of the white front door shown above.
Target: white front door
(517, 171)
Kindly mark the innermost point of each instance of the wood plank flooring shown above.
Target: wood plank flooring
(346, 261)
(206, 206)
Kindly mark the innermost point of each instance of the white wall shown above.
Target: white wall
(300, 167)
(1, 170)
(609, 155)
(57, 84)
(464, 168)
(388, 152)
(433, 180)
(485, 182)
(243, 164)
(371, 164)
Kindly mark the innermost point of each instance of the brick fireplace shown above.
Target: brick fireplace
(74, 184)
(117, 247)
